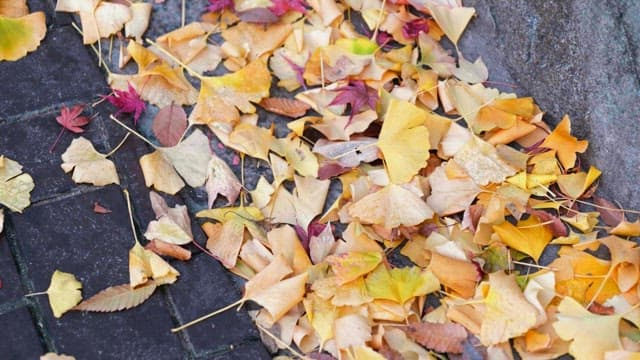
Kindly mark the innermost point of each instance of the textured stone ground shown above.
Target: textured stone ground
(577, 57)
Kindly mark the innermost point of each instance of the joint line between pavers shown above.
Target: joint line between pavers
(28, 287)
(80, 190)
(12, 306)
(224, 349)
(185, 341)
(47, 110)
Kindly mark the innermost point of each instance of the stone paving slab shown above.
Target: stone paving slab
(20, 340)
(11, 289)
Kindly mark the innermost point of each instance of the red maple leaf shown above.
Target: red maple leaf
(280, 7)
(218, 5)
(356, 94)
(71, 120)
(128, 102)
(412, 29)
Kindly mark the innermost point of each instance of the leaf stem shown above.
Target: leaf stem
(184, 11)
(98, 54)
(56, 141)
(36, 294)
(534, 265)
(133, 131)
(119, 145)
(279, 341)
(170, 55)
(205, 317)
(129, 208)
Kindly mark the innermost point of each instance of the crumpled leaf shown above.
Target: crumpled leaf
(116, 298)
(591, 335)
(128, 102)
(172, 226)
(448, 337)
(221, 181)
(165, 249)
(400, 284)
(391, 207)
(528, 236)
(71, 120)
(482, 162)
(64, 292)
(225, 240)
(169, 125)
(348, 153)
(450, 196)
(146, 266)
(404, 140)
(88, 165)
(20, 35)
(15, 186)
(508, 313)
(165, 168)
(566, 146)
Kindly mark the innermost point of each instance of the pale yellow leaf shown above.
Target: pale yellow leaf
(15, 186)
(64, 292)
(88, 165)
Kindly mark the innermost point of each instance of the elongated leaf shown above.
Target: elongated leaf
(117, 298)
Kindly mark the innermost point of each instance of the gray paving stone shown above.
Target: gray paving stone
(28, 141)
(60, 70)
(19, 337)
(67, 235)
(205, 286)
(249, 350)
(11, 289)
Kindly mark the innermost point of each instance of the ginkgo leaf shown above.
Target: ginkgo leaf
(591, 335)
(225, 240)
(189, 159)
(54, 356)
(146, 266)
(404, 140)
(15, 186)
(13, 8)
(223, 98)
(21, 35)
(400, 284)
(482, 162)
(626, 228)
(64, 292)
(452, 20)
(351, 330)
(566, 146)
(508, 313)
(351, 265)
(322, 315)
(391, 207)
(189, 45)
(625, 261)
(221, 181)
(88, 165)
(279, 298)
(528, 236)
(574, 185)
(433, 55)
(450, 196)
(173, 225)
(117, 298)
(139, 21)
(460, 276)
(252, 140)
(471, 72)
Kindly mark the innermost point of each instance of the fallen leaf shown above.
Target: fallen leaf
(433, 55)
(1, 220)
(117, 298)
(591, 335)
(71, 120)
(15, 186)
(460, 276)
(20, 35)
(352, 265)
(189, 44)
(625, 261)
(400, 284)
(528, 236)
(348, 153)
(99, 19)
(88, 165)
(566, 146)
(64, 292)
(450, 196)
(482, 162)
(167, 249)
(221, 181)
(610, 213)
(452, 20)
(169, 125)
(626, 228)
(391, 207)
(357, 95)
(139, 22)
(279, 298)
(448, 337)
(284, 106)
(471, 72)
(99, 209)
(54, 356)
(404, 140)
(145, 267)
(128, 102)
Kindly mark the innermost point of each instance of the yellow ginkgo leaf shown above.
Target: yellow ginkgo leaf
(351, 265)
(482, 162)
(574, 185)
(225, 239)
(450, 195)
(452, 20)
(15, 186)
(404, 140)
(145, 265)
(282, 296)
(566, 145)
(461, 276)
(20, 35)
(583, 221)
(626, 228)
(64, 292)
(508, 313)
(528, 236)
(322, 314)
(222, 98)
(591, 335)
(251, 140)
(625, 261)
(391, 207)
(400, 284)
(88, 165)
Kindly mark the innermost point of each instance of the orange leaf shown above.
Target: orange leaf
(284, 106)
(566, 145)
(448, 337)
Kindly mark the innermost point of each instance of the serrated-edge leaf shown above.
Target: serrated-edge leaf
(117, 298)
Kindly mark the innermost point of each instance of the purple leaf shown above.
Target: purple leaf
(128, 102)
(357, 94)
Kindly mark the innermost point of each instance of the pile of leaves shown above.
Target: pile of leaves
(464, 224)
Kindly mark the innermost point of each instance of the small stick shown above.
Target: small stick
(205, 317)
(119, 145)
(132, 131)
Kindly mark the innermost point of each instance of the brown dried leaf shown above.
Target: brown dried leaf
(439, 337)
(165, 249)
(99, 209)
(284, 106)
(169, 125)
(608, 213)
(117, 298)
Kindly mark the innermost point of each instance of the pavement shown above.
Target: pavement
(577, 57)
